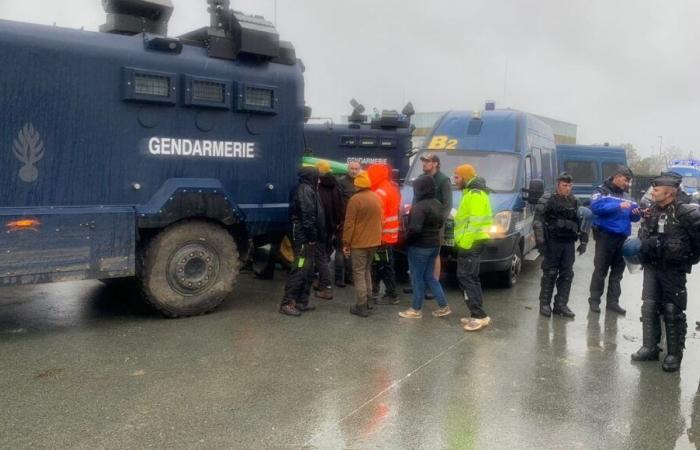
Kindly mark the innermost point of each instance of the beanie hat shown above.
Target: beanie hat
(362, 180)
(466, 171)
(323, 166)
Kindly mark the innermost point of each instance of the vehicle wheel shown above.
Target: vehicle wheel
(509, 277)
(189, 268)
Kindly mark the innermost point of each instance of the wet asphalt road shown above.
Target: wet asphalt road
(86, 366)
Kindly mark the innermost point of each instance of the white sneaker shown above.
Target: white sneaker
(476, 324)
(411, 313)
(442, 312)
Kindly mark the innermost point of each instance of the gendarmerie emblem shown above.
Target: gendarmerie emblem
(29, 149)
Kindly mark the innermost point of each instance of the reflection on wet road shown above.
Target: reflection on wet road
(87, 366)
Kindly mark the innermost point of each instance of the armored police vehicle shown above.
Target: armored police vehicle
(385, 138)
(515, 153)
(127, 152)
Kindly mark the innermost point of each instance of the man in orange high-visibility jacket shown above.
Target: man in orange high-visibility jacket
(383, 264)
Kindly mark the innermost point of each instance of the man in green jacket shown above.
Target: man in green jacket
(474, 217)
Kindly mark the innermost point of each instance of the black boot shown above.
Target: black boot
(616, 308)
(651, 333)
(546, 289)
(561, 300)
(359, 310)
(595, 306)
(545, 309)
(561, 309)
(674, 318)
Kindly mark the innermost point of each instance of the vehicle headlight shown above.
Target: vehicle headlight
(501, 225)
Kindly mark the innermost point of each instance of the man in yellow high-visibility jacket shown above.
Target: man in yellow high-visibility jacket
(473, 219)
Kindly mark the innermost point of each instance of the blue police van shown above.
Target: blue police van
(515, 153)
(689, 169)
(589, 165)
(130, 153)
(384, 139)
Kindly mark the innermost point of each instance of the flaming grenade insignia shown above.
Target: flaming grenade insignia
(29, 149)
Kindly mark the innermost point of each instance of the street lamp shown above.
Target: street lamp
(661, 143)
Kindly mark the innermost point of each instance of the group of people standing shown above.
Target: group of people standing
(667, 247)
(358, 217)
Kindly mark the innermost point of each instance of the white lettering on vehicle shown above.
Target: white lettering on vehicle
(368, 160)
(160, 146)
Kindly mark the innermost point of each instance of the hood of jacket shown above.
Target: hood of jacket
(478, 183)
(424, 188)
(328, 180)
(308, 176)
(378, 173)
(610, 185)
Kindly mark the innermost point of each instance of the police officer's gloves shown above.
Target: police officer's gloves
(581, 249)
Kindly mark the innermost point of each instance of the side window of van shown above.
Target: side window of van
(609, 169)
(584, 172)
(528, 170)
(547, 167)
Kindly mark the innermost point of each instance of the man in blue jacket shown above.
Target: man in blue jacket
(614, 214)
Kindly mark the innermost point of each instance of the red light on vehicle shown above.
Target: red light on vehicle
(23, 224)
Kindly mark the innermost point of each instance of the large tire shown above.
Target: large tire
(509, 277)
(189, 268)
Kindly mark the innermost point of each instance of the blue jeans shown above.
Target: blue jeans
(421, 263)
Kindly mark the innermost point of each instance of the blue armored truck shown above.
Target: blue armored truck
(515, 153)
(383, 139)
(130, 153)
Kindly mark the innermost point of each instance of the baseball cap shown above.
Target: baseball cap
(430, 157)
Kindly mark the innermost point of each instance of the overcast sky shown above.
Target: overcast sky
(622, 70)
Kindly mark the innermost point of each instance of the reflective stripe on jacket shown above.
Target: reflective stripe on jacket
(473, 218)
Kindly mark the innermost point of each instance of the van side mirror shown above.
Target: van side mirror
(534, 191)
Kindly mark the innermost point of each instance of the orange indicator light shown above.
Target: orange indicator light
(23, 224)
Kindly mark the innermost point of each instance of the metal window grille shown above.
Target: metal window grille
(151, 85)
(208, 91)
(258, 98)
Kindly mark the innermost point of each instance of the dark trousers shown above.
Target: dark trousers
(468, 265)
(664, 295)
(343, 265)
(608, 257)
(383, 270)
(298, 285)
(557, 270)
(322, 259)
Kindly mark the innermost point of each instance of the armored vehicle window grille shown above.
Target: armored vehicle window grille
(348, 141)
(387, 143)
(258, 98)
(208, 91)
(154, 85)
(368, 142)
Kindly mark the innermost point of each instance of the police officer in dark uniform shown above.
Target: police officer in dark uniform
(670, 245)
(557, 227)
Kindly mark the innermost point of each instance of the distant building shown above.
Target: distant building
(564, 132)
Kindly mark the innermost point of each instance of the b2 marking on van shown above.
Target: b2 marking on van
(442, 143)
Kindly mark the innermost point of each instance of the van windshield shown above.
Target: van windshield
(500, 170)
(691, 182)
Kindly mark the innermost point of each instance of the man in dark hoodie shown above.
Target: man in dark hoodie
(306, 219)
(331, 197)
